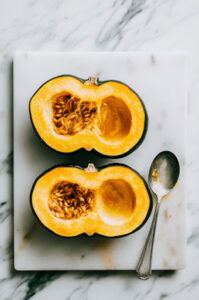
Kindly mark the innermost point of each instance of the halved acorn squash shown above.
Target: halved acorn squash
(69, 113)
(70, 201)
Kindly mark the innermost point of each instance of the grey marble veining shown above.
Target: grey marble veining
(151, 25)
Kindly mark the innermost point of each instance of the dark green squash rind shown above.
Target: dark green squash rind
(98, 169)
(93, 150)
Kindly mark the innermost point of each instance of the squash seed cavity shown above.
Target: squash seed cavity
(71, 115)
(70, 200)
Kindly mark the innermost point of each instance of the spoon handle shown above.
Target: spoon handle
(144, 265)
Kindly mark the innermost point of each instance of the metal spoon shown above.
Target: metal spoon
(163, 175)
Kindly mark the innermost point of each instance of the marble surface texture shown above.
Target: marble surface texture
(37, 248)
(93, 25)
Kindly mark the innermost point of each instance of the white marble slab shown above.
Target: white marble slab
(159, 79)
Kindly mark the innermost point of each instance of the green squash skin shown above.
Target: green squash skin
(93, 150)
(95, 234)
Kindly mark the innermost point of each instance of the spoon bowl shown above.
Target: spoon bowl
(163, 173)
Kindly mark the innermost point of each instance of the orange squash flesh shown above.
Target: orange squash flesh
(120, 201)
(69, 114)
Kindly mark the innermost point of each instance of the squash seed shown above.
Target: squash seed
(70, 200)
(71, 115)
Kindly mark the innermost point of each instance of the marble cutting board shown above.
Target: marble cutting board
(160, 80)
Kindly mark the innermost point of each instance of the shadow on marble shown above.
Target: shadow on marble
(39, 150)
(10, 161)
(37, 231)
(91, 274)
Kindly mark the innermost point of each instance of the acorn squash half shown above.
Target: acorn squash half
(69, 113)
(113, 201)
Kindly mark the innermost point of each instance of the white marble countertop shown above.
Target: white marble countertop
(112, 25)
